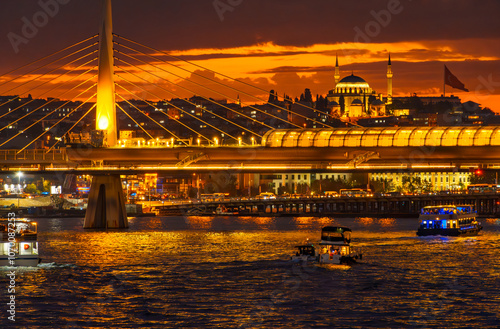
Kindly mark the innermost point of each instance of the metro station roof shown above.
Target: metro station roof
(384, 137)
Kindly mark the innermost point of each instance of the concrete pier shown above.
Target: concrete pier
(106, 205)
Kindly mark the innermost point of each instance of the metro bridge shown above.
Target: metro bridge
(286, 150)
(300, 150)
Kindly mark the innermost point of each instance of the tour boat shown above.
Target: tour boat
(18, 246)
(334, 248)
(448, 220)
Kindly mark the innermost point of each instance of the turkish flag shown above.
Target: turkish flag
(452, 80)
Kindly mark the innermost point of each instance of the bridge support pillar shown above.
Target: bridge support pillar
(106, 205)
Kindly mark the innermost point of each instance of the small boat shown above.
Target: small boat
(19, 245)
(335, 246)
(448, 220)
(221, 210)
(306, 253)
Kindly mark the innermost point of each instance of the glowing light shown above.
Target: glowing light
(103, 123)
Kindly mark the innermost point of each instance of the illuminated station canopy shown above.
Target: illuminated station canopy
(384, 137)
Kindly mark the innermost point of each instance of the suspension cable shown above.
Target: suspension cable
(73, 126)
(55, 124)
(39, 76)
(47, 64)
(220, 83)
(208, 124)
(138, 125)
(50, 113)
(221, 117)
(178, 121)
(218, 73)
(48, 91)
(53, 54)
(208, 99)
(50, 101)
(171, 133)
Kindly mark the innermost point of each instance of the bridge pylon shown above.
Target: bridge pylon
(106, 107)
(106, 203)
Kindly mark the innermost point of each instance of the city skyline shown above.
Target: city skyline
(286, 46)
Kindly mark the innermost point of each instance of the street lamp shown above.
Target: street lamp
(19, 174)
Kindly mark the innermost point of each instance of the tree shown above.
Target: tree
(46, 186)
(31, 189)
(382, 186)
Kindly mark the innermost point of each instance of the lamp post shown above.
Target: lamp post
(19, 174)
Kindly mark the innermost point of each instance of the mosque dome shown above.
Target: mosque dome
(357, 102)
(352, 79)
(352, 84)
(377, 102)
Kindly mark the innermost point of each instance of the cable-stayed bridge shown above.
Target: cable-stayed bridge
(109, 81)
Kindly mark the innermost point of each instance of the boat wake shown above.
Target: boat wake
(54, 265)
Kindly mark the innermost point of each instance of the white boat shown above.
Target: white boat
(18, 243)
(448, 220)
(334, 248)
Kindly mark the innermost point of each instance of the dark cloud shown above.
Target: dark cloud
(468, 29)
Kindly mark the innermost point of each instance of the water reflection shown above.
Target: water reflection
(383, 222)
(214, 272)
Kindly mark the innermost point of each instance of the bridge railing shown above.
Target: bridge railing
(33, 155)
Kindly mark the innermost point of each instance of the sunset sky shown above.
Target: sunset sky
(286, 45)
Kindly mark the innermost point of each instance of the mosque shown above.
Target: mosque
(352, 96)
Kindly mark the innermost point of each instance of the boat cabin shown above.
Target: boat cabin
(25, 234)
(307, 250)
(447, 210)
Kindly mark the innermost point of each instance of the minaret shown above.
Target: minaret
(337, 70)
(389, 81)
(106, 111)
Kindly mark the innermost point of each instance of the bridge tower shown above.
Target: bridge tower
(106, 203)
(106, 108)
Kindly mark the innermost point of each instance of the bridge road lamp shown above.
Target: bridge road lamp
(19, 174)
